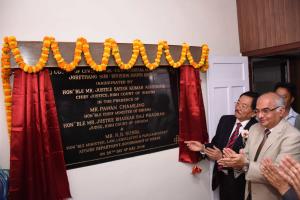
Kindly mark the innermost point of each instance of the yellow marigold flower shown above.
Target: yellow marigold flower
(34, 69)
(77, 58)
(10, 38)
(78, 44)
(26, 68)
(144, 57)
(87, 54)
(7, 104)
(44, 56)
(42, 61)
(57, 56)
(106, 54)
(134, 58)
(85, 47)
(16, 51)
(171, 62)
(13, 44)
(107, 49)
(142, 48)
(117, 56)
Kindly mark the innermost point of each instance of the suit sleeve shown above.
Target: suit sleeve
(290, 146)
(216, 138)
(290, 195)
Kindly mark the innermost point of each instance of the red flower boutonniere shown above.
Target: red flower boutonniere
(196, 170)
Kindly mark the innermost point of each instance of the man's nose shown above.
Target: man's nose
(259, 115)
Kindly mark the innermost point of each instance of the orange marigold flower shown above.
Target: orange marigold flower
(6, 86)
(30, 69)
(8, 98)
(7, 92)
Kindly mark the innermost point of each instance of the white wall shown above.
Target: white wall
(154, 176)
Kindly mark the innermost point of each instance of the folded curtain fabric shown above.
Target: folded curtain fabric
(37, 167)
(192, 122)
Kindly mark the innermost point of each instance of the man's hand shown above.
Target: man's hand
(194, 145)
(274, 175)
(213, 153)
(290, 170)
(233, 159)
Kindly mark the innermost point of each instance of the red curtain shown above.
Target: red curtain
(37, 167)
(192, 123)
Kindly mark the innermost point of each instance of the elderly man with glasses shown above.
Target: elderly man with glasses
(273, 138)
(231, 183)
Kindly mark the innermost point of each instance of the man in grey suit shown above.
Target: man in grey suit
(273, 137)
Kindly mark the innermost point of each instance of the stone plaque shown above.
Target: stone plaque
(115, 114)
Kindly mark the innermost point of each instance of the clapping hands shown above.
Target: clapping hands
(233, 159)
(283, 176)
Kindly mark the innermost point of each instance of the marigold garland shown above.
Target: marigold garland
(110, 49)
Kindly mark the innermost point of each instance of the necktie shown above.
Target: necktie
(266, 134)
(234, 136)
(232, 139)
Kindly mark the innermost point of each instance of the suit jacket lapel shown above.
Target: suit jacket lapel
(250, 123)
(239, 141)
(227, 131)
(272, 138)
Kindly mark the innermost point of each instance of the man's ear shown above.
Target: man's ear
(292, 100)
(281, 110)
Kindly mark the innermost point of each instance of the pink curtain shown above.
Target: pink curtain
(37, 167)
(192, 123)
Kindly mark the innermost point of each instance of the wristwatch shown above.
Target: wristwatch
(246, 166)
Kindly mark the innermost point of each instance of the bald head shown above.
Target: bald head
(270, 109)
(273, 98)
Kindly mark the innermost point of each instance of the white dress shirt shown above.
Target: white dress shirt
(291, 117)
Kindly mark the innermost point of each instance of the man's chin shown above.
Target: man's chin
(237, 115)
(264, 124)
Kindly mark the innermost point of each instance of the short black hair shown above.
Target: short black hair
(290, 87)
(254, 96)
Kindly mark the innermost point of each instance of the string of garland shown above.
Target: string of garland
(82, 46)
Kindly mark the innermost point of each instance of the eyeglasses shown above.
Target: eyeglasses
(241, 105)
(265, 111)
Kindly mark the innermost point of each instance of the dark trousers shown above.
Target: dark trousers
(231, 188)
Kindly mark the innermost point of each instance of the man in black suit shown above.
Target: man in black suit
(228, 134)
